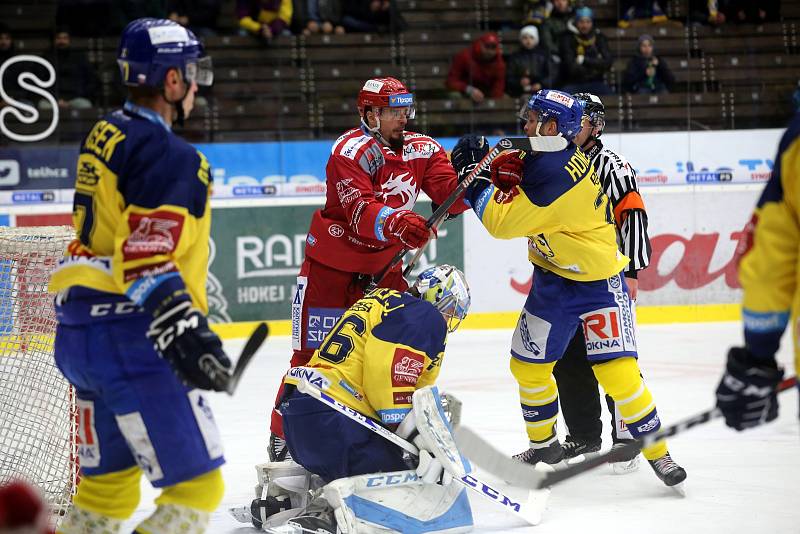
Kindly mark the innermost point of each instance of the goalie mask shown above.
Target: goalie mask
(446, 288)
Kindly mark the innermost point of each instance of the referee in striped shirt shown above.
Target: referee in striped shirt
(577, 385)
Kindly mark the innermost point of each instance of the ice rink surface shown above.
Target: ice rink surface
(737, 482)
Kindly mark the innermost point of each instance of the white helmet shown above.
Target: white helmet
(446, 288)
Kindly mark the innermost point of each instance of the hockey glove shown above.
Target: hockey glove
(182, 337)
(467, 153)
(507, 170)
(408, 228)
(747, 395)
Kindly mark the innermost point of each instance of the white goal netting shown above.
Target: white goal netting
(37, 408)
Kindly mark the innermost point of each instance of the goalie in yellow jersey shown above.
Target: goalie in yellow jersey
(386, 346)
(555, 199)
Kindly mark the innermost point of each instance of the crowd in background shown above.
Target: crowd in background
(559, 43)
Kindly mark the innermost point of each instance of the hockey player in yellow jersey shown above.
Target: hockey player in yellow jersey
(385, 347)
(768, 272)
(132, 335)
(555, 199)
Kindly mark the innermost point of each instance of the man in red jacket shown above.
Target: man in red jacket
(374, 175)
(479, 71)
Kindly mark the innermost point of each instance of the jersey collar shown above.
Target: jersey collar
(146, 113)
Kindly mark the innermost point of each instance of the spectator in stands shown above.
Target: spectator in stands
(8, 50)
(479, 71)
(200, 16)
(645, 73)
(528, 69)
(556, 25)
(748, 11)
(96, 18)
(319, 16)
(75, 78)
(585, 56)
(637, 12)
(706, 12)
(376, 16)
(535, 11)
(265, 18)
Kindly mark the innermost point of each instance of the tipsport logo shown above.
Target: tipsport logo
(23, 111)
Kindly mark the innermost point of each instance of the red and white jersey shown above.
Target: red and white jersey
(366, 183)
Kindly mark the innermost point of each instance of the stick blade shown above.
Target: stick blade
(250, 348)
(498, 464)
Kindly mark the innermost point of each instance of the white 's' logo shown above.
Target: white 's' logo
(24, 112)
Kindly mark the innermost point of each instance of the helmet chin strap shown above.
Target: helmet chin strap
(376, 131)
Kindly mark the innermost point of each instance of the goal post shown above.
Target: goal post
(37, 404)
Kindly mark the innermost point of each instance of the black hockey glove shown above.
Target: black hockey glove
(182, 337)
(467, 153)
(747, 395)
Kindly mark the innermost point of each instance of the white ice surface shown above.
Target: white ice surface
(737, 482)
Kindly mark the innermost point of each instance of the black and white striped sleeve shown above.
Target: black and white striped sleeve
(619, 182)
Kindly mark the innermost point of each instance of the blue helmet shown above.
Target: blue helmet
(552, 104)
(446, 288)
(149, 47)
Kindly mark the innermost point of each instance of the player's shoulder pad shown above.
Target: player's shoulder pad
(548, 175)
(360, 147)
(413, 322)
(417, 145)
(162, 168)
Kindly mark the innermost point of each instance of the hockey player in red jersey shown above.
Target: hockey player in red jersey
(374, 175)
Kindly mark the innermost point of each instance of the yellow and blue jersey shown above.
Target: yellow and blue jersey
(768, 270)
(385, 347)
(561, 208)
(141, 213)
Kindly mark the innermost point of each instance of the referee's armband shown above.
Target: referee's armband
(631, 201)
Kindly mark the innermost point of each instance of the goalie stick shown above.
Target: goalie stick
(231, 381)
(530, 511)
(553, 143)
(485, 455)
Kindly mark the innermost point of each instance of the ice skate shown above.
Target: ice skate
(278, 450)
(627, 463)
(669, 473)
(577, 450)
(552, 454)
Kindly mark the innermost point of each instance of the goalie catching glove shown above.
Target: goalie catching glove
(181, 336)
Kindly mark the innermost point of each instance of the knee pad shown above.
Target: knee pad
(203, 492)
(113, 495)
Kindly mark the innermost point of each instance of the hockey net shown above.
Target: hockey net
(37, 405)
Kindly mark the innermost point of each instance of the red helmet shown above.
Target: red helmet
(383, 93)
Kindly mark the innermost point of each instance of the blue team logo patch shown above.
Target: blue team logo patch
(396, 101)
(320, 322)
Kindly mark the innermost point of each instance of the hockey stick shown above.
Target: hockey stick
(516, 473)
(553, 143)
(231, 381)
(528, 511)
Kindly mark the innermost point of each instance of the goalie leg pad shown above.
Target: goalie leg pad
(435, 431)
(398, 502)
